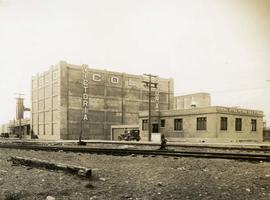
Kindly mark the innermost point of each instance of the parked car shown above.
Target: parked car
(5, 135)
(130, 135)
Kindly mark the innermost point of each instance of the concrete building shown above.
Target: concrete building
(71, 100)
(197, 100)
(209, 124)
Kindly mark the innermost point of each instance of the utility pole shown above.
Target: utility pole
(150, 85)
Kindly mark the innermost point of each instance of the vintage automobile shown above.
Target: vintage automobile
(128, 135)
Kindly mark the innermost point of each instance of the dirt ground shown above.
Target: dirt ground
(133, 177)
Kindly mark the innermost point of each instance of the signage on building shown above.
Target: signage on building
(240, 111)
(157, 95)
(96, 77)
(85, 95)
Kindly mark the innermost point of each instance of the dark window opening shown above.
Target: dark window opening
(238, 124)
(223, 123)
(253, 125)
(201, 123)
(162, 123)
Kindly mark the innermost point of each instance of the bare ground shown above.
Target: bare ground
(138, 177)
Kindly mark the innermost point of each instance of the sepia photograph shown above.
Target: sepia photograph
(135, 99)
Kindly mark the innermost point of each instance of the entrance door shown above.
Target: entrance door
(155, 128)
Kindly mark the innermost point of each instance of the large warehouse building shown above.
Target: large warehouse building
(72, 100)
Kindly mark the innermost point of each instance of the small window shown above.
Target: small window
(201, 123)
(223, 123)
(144, 124)
(178, 124)
(238, 124)
(253, 125)
(55, 75)
(162, 123)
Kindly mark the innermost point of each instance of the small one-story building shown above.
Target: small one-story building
(207, 124)
(15, 128)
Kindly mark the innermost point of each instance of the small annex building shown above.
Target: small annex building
(206, 124)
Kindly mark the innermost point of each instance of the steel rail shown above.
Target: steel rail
(259, 148)
(119, 152)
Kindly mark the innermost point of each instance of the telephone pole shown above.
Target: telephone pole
(150, 85)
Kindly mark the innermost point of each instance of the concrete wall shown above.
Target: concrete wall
(213, 132)
(192, 100)
(45, 111)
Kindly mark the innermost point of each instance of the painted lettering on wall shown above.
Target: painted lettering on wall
(85, 94)
(96, 77)
(157, 95)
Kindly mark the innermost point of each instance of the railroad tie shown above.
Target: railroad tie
(37, 163)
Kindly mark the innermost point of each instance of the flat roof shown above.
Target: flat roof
(205, 110)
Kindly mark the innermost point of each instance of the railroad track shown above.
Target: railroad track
(121, 152)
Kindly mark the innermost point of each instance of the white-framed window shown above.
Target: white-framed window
(178, 124)
(114, 79)
(144, 124)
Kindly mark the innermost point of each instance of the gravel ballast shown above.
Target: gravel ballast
(133, 177)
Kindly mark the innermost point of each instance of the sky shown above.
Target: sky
(217, 46)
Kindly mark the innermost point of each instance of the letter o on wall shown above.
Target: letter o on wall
(114, 79)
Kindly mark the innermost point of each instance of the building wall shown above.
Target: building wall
(192, 100)
(109, 103)
(45, 111)
(246, 134)
(212, 132)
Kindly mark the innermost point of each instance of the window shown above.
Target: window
(238, 124)
(253, 125)
(55, 75)
(178, 124)
(144, 124)
(223, 123)
(201, 123)
(162, 123)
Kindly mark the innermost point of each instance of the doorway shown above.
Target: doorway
(155, 128)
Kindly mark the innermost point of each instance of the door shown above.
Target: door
(155, 128)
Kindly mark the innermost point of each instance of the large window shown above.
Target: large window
(238, 124)
(253, 125)
(201, 123)
(162, 123)
(178, 124)
(223, 123)
(144, 124)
